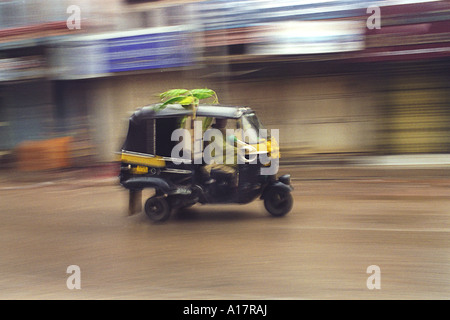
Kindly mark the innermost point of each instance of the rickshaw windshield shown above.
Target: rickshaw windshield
(251, 127)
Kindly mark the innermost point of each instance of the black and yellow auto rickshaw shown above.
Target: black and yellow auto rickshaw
(150, 158)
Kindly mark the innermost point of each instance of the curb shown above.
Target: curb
(407, 161)
(77, 183)
(107, 175)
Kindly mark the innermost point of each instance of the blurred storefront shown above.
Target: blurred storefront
(23, 116)
(31, 132)
(412, 51)
(331, 83)
(417, 110)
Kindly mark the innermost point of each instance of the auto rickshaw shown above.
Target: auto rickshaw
(151, 158)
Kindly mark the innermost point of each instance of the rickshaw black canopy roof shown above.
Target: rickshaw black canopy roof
(176, 110)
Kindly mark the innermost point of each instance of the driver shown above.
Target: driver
(228, 165)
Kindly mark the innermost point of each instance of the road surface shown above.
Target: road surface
(352, 234)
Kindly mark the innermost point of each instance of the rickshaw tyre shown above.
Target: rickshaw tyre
(157, 209)
(278, 202)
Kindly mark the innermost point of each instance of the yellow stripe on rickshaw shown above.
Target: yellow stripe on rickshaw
(151, 161)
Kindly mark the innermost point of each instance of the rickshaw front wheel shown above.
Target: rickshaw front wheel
(278, 202)
(157, 209)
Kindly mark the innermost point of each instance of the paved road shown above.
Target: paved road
(343, 222)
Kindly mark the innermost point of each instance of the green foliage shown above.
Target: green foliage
(204, 94)
(172, 93)
(186, 98)
(183, 100)
(206, 123)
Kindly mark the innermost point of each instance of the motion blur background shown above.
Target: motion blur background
(312, 69)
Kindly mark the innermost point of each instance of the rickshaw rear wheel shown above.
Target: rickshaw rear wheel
(157, 209)
(278, 202)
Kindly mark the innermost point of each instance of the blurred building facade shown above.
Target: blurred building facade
(316, 70)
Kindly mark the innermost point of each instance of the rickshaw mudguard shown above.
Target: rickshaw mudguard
(139, 183)
(135, 185)
(277, 185)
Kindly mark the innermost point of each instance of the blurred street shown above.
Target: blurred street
(345, 219)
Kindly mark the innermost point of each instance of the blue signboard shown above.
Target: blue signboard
(104, 54)
(148, 51)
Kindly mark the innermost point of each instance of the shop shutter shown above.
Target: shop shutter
(417, 114)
